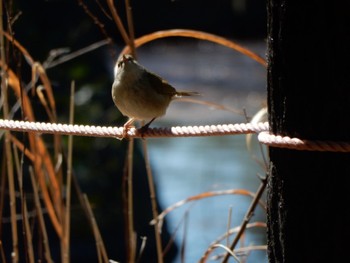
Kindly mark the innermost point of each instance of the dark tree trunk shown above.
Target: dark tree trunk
(309, 98)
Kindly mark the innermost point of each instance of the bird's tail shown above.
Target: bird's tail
(180, 94)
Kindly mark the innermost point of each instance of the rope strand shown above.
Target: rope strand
(103, 131)
(303, 145)
(260, 128)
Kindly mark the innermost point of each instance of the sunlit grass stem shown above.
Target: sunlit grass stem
(153, 202)
(7, 145)
(66, 222)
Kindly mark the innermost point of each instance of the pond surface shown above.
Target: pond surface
(187, 167)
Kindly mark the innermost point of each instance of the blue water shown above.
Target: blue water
(186, 167)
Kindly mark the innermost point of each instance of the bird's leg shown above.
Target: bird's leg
(144, 128)
(126, 127)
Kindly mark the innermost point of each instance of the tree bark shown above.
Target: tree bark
(308, 98)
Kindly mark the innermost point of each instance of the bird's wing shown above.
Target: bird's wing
(160, 85)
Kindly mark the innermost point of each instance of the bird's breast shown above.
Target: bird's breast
(136, 98)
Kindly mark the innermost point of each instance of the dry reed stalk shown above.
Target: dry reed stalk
(38, 70)
(153, 201)
(75, 54)
(50, 107)
(21, 147)
(42, 227)
(67, 208)
(130, 27)
(7, 145)
(183, 244)
(196, 35)
(101, 249)
(12, 202)
(2, 253)
(27, 232)
(172, 238)
(229, 218)
(160, 218)
(131, 235)
(41, 156)
(2, 190)
(118, 22)
(247, 216)
(84, 201)
(229, 233)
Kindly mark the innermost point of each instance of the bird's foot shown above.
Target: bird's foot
(125, 134)
(144, 128)
(126, 127)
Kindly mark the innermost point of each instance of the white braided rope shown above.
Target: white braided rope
(305, 145)
(184, 131)
(103, 131)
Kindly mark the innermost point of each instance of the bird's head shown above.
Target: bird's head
(124, 60)
(127, 67)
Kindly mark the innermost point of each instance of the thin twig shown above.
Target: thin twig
(27, 232)
(226, 235)
(40, 151)
(229, 224)
(243, 250)
(7, 145)
(247, 217)
(38, 69)
(230, 252)
(24, 52)
(130, 27)
(100, 25)
(2, 189)
(102, 253)
(77, 53)
(118, 22)
(197, 35)
(2, 253)
(173, 235)
(41, 220)
(160, 218)
(131, 248)
(84, 201)
(142, 248)
(153, 201)
(41, 96)
(184, 239)
(66, 232)
(25, 215)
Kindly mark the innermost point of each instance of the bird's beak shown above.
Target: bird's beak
(121, 61)
(124, 59)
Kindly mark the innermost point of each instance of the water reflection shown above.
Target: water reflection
(186, 167)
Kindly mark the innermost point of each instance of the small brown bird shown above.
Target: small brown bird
(140, 94)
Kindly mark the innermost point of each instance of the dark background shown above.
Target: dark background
(46, 25)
